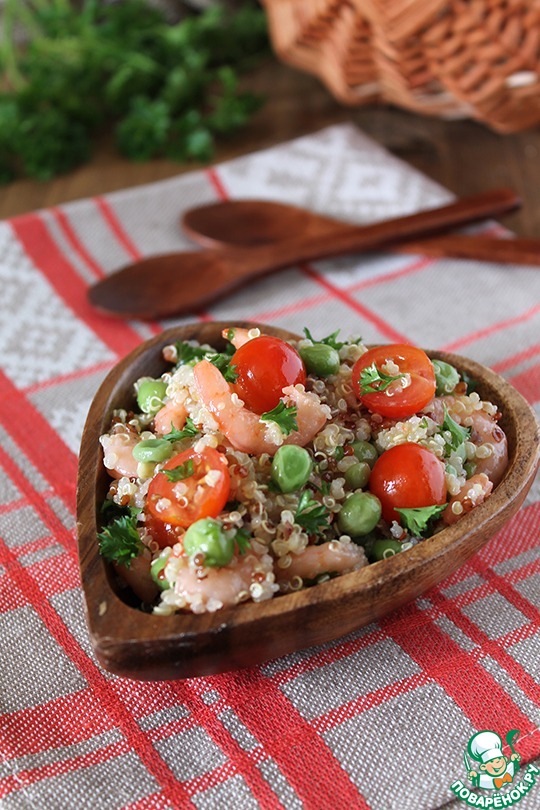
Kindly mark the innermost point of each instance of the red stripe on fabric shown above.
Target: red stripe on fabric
(515, 359)
(347, 711)
(409, 270)
(216, 182)
(528, 383)
(24, 778)
(79, 374)
(302, 756)
(49, 454)
(111, 702)
(519, 535)
(38, 501)
(190, 694)
(493, 648)
(40, 247)
(383, 327)
(446, 663)
(116, 227)
(492, 329)
(502, 586)
(76, 244)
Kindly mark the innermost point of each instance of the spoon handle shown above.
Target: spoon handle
(177, 283)
(518, 250)
(345, 239)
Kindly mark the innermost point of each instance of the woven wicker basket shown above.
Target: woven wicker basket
(449, 58)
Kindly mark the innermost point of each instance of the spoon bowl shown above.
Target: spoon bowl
(144, 646)
(250, 223)
(178, 283)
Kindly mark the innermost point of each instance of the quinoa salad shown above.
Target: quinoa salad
(271, 466)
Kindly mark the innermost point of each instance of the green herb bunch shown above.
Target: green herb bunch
(167, 90)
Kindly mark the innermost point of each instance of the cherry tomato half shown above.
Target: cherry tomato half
(265, 366)
(182, 501)
(393, 400)
(407, 476)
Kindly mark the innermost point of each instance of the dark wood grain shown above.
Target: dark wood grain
(134, 644)
(184, 282)
(247, 223)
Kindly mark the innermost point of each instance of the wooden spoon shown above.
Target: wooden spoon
(248, 223)
(178, 283)
(144, 646)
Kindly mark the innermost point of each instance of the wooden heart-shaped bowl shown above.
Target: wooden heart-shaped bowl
(144, 646)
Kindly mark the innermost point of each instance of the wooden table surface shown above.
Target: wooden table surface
(464, 156)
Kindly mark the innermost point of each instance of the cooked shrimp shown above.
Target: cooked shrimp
(238, 336)
(335, 557)
(472, 493)
(118, 453)
(486, 434)
(243, 428)
(172, 415)
(245, 577)
(490, 439)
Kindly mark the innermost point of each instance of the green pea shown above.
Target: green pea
(157, 567)
(155, 450)
(150, 395)
(364, 451)
(320, 359)
(207, 537)
(291, 467)
(446, 377)
(357, 475)
(359, 514)
(383, 548)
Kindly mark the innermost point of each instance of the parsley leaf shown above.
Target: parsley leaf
(458, 434)
(284, 416)
(330, 340)
(164, 89)
(186, 353)
(186, 432)
(310, 514)
(119, 542)
(223, 363)
(416, 519)
(373, 380)
(242, 538)
(179, 473)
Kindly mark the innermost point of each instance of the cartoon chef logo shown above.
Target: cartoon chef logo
(487, 766)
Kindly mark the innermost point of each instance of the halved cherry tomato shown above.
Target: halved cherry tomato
(406, 476)
(182, 502)
(265, 366)
(395, 401)
(164, 534)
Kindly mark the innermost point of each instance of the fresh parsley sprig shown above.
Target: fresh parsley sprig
(284, 417)
(165, 89)
(458, 433)
(373, 380)
(186, 353)
(184, 470)
(223, 363)
(330, 340)
(417, 520)
(311, 515)
(119, 542)
(187, 432)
